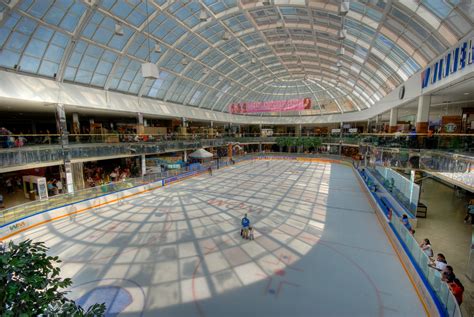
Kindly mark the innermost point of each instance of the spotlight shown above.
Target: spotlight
(344, 8)
(341, 34)
(203, 15)
(150, 71)
(118, 29)
(157, 48)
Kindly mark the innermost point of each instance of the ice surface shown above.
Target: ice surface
(318, 248)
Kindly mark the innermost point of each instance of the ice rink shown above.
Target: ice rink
(176, 251)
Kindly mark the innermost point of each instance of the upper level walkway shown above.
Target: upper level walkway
(446, 156)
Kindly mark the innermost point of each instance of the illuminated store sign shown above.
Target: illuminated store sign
(457, 59)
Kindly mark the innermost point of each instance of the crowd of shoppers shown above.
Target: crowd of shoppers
(97, 175)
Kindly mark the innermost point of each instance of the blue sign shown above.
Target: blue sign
(457, 59)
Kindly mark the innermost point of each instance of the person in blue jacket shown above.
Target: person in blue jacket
(245, 227)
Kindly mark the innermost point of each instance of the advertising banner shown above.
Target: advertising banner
(271, 106)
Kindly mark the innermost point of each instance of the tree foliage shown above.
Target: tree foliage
(306, 142)
(31, 284)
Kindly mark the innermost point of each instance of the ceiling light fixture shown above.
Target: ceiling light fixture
(226, 36)
(254, 60)
(341, 51)
(341, 34)
(242, 50)
(344, 8)
(118, 29)
(203, 15)
(149, 70)
(157, 48)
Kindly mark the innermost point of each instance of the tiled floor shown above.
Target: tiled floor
(319, 249)
(15, 198)
(447, 232)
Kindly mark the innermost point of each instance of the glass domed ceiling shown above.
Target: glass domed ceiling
(211, 53)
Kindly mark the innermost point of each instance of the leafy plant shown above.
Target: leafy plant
(305, 142)
(31, 284)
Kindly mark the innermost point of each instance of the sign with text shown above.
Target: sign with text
(271, 106)
(455, 60)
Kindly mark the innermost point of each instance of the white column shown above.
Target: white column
(393, 120)
(298, 130)
(64, 141)
(76, 127)
(143, 161)
(423, 113)
(140, 125)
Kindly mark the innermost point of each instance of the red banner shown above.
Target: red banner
(271, 106)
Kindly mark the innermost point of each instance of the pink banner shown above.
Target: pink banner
(271, 106)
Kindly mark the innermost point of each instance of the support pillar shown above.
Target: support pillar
(143, 164)
(211, 129)
(422, 115)
(76, 127)
(91, 126)
(340, 138)
(393, 120)
(66, 169)
(140, 125)
(183, 128)
(298, 134)
(78, 175)
(298, 130)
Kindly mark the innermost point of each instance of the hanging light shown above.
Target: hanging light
(226, 36)
(185, 61)
(203, 15)
(339, 64)
(254, 60)
(149, 70)
(205, 71)
(341, 51)
(242, 49)
(279, 25)
(157, 48)
(341, 34)
(118, 29)
(344, 8)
